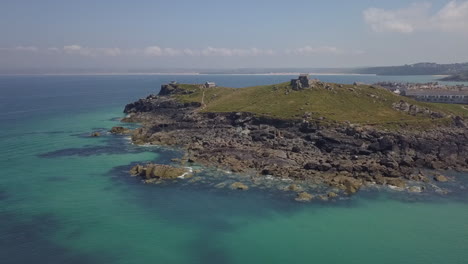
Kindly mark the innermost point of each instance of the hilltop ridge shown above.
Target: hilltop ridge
(355, 103)
(323, 137)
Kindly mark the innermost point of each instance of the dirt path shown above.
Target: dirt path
(203, 101)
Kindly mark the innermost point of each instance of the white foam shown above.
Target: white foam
(190, 170)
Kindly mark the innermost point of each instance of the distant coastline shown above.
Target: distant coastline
(179, 73)
(97, 74)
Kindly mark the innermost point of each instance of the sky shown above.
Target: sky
(150, 34)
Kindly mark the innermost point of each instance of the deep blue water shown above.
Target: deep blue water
(67, 198)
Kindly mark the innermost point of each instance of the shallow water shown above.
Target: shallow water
(67, 198)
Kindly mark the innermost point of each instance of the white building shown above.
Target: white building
(210, 84)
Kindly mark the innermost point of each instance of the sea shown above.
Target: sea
(66, 197)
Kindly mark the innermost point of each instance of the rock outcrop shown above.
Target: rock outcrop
(304, 197)
(239, 186)
(440, 178)
(164, 172)
(120, 130)
(343, 156)
(415, 110)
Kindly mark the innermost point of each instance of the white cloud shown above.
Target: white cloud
(21, 48)
(209, 51)
(157, 51)
(72, 48)
(110, 51)
(453, 17)
(85, 51)
(54, 50)
(190, 52)
(228, 52)
(76, 49)
(153, 51)
(309, 50)
(28, 48)
(172, 52)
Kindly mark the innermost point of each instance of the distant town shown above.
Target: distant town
(429, 92)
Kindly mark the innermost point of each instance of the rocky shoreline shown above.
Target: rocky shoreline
(343, 156)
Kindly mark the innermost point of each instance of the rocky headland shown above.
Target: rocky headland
(316, 133)
(459, 77)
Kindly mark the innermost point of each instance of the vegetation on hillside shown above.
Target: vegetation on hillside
(460, 77)
(327, 102)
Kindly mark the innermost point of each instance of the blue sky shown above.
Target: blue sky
(229, 34)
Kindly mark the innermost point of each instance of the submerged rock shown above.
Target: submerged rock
(349, 184)
(294, 188)
(220, 185)
(160, 171)
(323, 197)
(136, 170)
(415, 189)
(304, 197)
(239, 186)
(400, 183)
(440, 178)
(120, 130)
(95, 134)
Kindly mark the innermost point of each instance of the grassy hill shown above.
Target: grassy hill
(360, 104)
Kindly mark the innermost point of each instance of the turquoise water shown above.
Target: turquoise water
(67, 198)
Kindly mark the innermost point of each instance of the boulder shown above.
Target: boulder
(345, 165)
(323, 197)
(415, 110)
(317, 165)
(120, 130)
(418, 177)
(95, 134)
(407, 161)
(349, 184)
(440, 178)
(415, 189)
(136, 170)
(239, 186)
(294, 188)
(158, 171)
(386, 143)
(400, 183)
(459, 122)
(304, 197)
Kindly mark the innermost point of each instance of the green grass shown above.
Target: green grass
(361, 104)
(198, 92)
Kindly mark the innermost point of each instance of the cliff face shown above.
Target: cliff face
(342, 155)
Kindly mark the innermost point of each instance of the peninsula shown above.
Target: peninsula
(423, 68)
(459, 77)
(309, 132)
